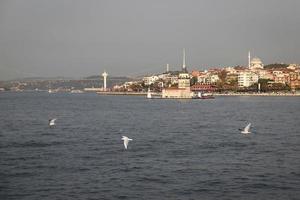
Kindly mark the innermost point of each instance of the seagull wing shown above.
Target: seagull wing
(52, 122)
(247, 128)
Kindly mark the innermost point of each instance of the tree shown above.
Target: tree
(222, 75)
(194, 80)
(264, 84)
(276, 65)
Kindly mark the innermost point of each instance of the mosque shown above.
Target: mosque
(254, 63)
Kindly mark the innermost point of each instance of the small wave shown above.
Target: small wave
(33, 144)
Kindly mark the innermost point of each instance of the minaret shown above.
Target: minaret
(104, 80)
(167, 67)
(249, 59)
(183, 64)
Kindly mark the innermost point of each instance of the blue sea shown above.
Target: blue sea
(181, 149)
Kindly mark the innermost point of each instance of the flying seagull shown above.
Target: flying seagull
(126, 140)
(52, 122)
(246, 129)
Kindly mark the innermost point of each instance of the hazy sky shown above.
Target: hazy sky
(77, 38)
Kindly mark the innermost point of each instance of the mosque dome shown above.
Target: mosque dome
(256, 61)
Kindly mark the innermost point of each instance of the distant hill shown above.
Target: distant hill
(96, 77)
(43, 83)
(275, 66)
(41, 78)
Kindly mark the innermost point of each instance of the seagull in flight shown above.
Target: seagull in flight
(52, 122)
(246, 129)
(126, 141)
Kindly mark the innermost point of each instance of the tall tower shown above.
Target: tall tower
(183, 63)
(104, 79)
(249, 59)
(167, 67)
(184, 77)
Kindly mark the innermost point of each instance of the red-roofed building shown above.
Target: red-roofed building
(203, 87)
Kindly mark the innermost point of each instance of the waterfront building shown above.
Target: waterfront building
(294, 80)
(247, 78)
(183, 89)
(205, 88)
(184, 80)
(281, 76)
(202, 78)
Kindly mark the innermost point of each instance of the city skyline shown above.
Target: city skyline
(77, 39)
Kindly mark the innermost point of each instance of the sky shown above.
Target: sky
(79, 38)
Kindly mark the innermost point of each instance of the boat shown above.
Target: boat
(201, 95)
(149, 94)
(76, 91)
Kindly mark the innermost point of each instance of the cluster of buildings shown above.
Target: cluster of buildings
(182, 84)
(248, 76)
(171, 84)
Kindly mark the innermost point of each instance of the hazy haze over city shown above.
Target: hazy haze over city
(75, 38)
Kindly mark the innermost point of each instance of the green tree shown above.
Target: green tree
(264, 84)
(276, 65)
(194, 80)
(222, 75)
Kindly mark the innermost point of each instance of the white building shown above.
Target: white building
(213, 78)
(230, 70)
(173, 79)
(208, 78)
(264, 74)
(148, 80)
(247, 78)
(183, 80)
(163, 76)
(202, 78)
(295, 67)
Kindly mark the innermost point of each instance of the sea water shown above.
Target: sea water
(181, 149)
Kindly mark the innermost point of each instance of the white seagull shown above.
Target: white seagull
(246, 129)
(126, 140)
(52, 122)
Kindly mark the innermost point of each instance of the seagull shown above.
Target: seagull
(126, 140)
(246, 129)
(52, 122)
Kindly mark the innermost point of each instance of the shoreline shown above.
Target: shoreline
(260, 94)
(159, 94)
(215, 94)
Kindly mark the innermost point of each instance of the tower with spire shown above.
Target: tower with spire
(183, 62)
(249, 59)
(183, 91)
(184, 77)
(104, 74)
